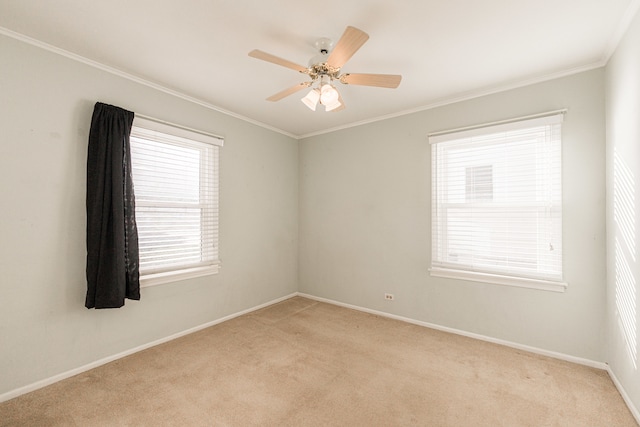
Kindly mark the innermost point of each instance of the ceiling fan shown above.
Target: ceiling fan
(325, 68)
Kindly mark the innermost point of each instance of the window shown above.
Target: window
(497, 205)
(175, 178)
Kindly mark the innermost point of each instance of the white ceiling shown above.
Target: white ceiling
(444, 49)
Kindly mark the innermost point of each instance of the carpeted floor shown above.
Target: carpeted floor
(305, 363)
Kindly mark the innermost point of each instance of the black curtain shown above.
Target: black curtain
(112, 234)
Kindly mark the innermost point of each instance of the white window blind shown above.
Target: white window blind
(175, 176)
(497, 203)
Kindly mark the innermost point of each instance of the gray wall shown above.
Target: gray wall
(365, 222)
(46, 102)
(623, 212)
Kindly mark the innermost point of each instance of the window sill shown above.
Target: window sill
(496, 279)
(175, 276)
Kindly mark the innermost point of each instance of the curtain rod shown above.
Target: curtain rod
(499, 122)
(164, 122)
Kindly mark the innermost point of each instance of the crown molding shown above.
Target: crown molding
(136, 79)
(466, 96)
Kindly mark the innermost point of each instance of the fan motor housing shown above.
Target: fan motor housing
(322, 69)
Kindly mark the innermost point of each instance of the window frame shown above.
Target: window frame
(442, 267)
(153, 130)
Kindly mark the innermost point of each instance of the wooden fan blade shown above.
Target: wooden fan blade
(377, 80)
(276, 60)
(352, 39)
(290, 91)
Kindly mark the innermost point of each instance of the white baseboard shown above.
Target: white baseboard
(625, 396)
(555, 355)
(561, 356)
(48, 381)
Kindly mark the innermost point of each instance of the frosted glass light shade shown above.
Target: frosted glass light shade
(328, 95)
(311, 99)
(333, 105)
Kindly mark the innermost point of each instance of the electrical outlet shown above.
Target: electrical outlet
(388, 297)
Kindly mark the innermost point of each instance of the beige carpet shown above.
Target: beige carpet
(305, 363)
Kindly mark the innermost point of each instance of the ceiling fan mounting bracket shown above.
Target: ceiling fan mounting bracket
(324, 45)
(343, 78)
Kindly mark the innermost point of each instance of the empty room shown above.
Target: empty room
(363, 213)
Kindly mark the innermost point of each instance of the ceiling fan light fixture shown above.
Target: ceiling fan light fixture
(311, 99)
(333, 105)
(328, 95)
